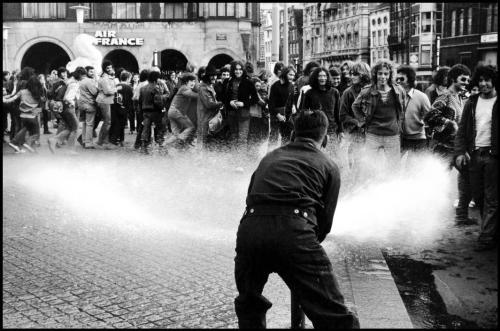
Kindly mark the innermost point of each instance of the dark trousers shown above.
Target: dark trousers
(282, 128)
(15, 119)
(140, 126)
(258, 132)
(483, 170)
(29, 125)
(287, 245)
(413, 145)
(151, 117)
(132, 115)
(118, 123)
(45, 119)
(464, 194)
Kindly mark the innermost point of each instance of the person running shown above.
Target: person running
(30, 106)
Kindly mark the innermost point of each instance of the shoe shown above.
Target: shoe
(14, 147)
(485, 246)
(47, 132)
(110, 146)
(89, 146)
(29, 148)
(52, 145)
(94, 134)
(20, 151)
(80, 140)
(467, 221)
(455, 204)
(472, 204)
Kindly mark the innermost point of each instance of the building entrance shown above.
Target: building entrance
(123, 59)
(172, 60)
(220, 60)
(44, 57)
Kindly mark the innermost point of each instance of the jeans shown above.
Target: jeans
(287, 245)
(132, 115)
(88, 124)
(284, 129)
(182, 127)
(30, 125)
(483, 170)
(464, 194)
(413, 145)
(391, 145)
(151, 117)
(140, 126)
(239, 127)
(68, 116)
(45, 119)
(15, 119)
(105, 110)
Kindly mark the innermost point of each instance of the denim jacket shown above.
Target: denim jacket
(366, 103)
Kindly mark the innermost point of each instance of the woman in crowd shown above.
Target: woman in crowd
(30, 106)
(259, 118)
(183, 129)
(132, 110)
(345, 80)
(322, 96)
(336, 76)
(45, 112)
(207, 102)
(302, 84)
(143, 81)
(280, 106)
(240, 94)
(439, 84)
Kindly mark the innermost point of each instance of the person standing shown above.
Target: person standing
(143, 81)
(443, 120)
(290, 205)
(207, 104)
(476, 146)
(122, 107)
(240, 95)
(280, 107)
(439, 84)
(105, 98)
(345, 79)
(152, 113)
(132, 112)
(379, 111)
(45, 111)
(277, 70)
(88, 107)
(258, 131)
(416, 106)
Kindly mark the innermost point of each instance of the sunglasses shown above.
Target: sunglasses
(354, 73)
(400, 79)
(464, 80)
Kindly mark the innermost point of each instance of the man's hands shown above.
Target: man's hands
(462, 160)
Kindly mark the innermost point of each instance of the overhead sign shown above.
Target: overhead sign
(220, 36)
(489, 38)
(108, 38)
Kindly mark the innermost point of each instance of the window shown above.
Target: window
(453, 22)
(374, 56)
(373, 22)
(379, 21)
(469, 21)
(380, 38)
(426, 22)
(385, 36)
(374, 39)
(174, 10)
(461, 22)
(243, 9)
(425, 54)
(492, 18)
(385, 19)
(414, 24)
(385, 54)
(438, 16)
(44, 10)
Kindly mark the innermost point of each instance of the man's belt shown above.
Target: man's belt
(483, 150)
(280, 210)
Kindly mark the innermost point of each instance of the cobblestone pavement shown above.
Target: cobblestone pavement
(78, 266)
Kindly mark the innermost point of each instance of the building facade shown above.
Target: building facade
(415, 29)
(336, 32)
(379, 31)
(267, 27)
(470, 34)
(42, 35)
(295, 45)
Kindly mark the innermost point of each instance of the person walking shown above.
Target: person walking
(105, 98)
(290, 205)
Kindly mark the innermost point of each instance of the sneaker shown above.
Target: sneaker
(14, 147)
(455, 204)
(472, 204)
(80, 140)
(29, 148)
(110, 146)
(52, 145)
(20, 151)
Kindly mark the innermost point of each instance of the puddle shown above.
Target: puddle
(423, 302)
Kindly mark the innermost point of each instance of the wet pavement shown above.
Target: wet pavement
(104, 239)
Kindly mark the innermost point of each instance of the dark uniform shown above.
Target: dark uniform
(290, 206)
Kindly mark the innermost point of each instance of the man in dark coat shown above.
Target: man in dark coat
(291, 201)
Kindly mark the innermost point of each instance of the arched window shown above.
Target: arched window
(469, 21)
(461, 22)
(453, 22)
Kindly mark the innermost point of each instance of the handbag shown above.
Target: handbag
(215, 124)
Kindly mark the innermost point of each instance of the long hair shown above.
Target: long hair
(457, 70)
(363, 69)
(487, 72)
(313, 79)
(35, 87)
(143, 76)
(284, 73)
(233, 67)
(409, 72)
(440, 76)
(383, 64)
(26, 73)
(309, 67)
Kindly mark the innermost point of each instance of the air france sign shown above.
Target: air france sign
(108, 38)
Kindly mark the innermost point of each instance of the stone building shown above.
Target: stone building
(295, 45)
(41, 35)
(414, 31)
(470, 34)
(336, 31)
(379, 31)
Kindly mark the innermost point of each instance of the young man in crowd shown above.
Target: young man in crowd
(416, 106)
(120, 109)
(476, 146)
(443, 120)
(105, 98)
(88, 107)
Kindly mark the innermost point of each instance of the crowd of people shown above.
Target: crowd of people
(378, 109)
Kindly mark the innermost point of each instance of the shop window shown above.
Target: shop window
(425, 54)
(453, 23)
(44, 10)
(174, 10)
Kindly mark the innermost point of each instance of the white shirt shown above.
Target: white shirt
(484, 111)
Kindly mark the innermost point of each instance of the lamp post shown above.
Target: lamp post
(5, 38)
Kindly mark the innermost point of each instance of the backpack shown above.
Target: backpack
(158, 98)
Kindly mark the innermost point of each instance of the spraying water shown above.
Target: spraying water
(204, 196)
